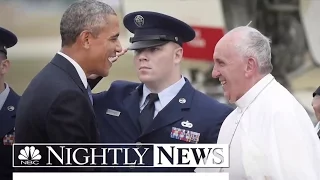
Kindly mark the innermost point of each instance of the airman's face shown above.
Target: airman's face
(316, 106)
(4, 67)
(156, 64)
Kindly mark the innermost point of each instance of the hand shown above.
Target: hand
(114, 59)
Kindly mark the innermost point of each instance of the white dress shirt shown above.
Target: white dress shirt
(80, 71)
(3, 95)
(165, 96)
(274, 136)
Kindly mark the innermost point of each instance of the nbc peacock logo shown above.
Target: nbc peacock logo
(29, 156)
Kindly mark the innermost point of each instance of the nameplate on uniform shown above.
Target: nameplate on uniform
(113, 112)
(185, 135)
(8, 139)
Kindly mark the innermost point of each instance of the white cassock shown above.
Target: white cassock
(274, 137)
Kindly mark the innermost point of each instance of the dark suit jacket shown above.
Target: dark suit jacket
(55, 108)
(205, 113)
(7, 134)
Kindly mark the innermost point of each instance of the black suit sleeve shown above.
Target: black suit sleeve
(317, 92)
(93, 82)
(71, 119)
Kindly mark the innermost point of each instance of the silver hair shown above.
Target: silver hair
(255, 44)
(83, 15)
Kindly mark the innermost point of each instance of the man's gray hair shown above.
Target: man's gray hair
(255, 44)
(83, 15)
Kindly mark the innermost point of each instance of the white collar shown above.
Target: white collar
(253, 92)
(3, 95)
(6, 89)
(80, 71)
(166, 95)
(317, 127)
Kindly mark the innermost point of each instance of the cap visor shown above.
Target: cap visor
(146, 44)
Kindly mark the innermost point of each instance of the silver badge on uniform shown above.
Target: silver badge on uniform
(139, 20)
(182, 100)
(186, 124)
(10, 108)
(113, 112)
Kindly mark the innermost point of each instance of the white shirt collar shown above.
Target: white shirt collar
(3, 95)
(253, 92)
(80, 71)
(317, 127)
(166, 95)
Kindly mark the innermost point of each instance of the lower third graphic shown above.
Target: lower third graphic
(29, 156)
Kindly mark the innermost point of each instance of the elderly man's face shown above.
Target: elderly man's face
(316, 106)
(229, 67)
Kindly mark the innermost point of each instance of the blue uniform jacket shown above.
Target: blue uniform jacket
(204, 113)
(7, 134)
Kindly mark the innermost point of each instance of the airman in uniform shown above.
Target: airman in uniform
(164, 108)
(8, 103)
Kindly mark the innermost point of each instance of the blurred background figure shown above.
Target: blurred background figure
(8, 103)
(288, 23)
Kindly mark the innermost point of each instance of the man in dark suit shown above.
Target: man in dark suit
(316, 108)
(56, 107)
(164, 108)
(8, 105)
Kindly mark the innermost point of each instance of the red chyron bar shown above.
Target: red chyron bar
(120, 155)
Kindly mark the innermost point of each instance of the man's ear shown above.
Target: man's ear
(252, 66)
(4, 67)
(178, 55)
(85, 39)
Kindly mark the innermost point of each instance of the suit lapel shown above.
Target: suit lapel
(8, 113)
(174, 111)
(131, 104)
(64, 64)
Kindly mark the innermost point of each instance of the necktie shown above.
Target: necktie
(146, 115)
(90, 94)
(319, 133)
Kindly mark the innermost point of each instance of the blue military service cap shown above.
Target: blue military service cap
(152, 29)
(7, 40)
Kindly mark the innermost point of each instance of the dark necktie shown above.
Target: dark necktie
(319, 133)
(90, 94)
(146, 115)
